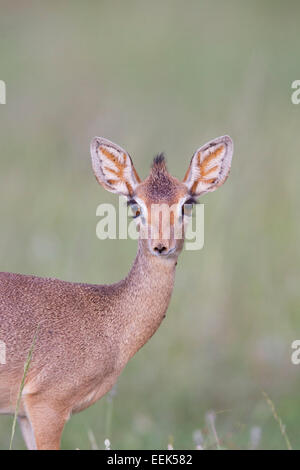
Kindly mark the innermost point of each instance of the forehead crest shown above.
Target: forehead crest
(160, 184)
(159, 166)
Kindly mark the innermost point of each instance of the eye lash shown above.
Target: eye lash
(191, 200)
(131, 202)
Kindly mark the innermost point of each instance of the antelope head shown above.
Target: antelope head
(162, 204)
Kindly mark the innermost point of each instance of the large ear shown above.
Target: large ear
(113, 167)
(210, 166)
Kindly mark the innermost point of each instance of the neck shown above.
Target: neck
(146, 292)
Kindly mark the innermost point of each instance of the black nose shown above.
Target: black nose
(160, 248)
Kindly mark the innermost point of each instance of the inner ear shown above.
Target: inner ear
(113, 167)
(210, 166)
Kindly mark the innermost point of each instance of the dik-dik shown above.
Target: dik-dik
(86, 333)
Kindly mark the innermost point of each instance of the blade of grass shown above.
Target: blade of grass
(109, 413)
(26, 368)
(211, 420)
(92, 440)
(278, 419)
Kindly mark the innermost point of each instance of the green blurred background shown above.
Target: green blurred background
(164, 76)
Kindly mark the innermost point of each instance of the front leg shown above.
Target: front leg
(47, 418)
(27, 432)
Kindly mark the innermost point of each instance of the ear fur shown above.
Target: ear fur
(113, 167)
(210, 166)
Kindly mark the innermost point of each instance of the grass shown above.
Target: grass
(165, 76)
(26, 368)
(212, 441)
(277, 418)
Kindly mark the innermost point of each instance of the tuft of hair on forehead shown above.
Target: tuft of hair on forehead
(159, 166)
(160, 185)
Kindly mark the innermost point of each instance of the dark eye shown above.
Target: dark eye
(187, 206)
(191, 201)
(136, 211)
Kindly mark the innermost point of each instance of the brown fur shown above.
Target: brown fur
(86, 333)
